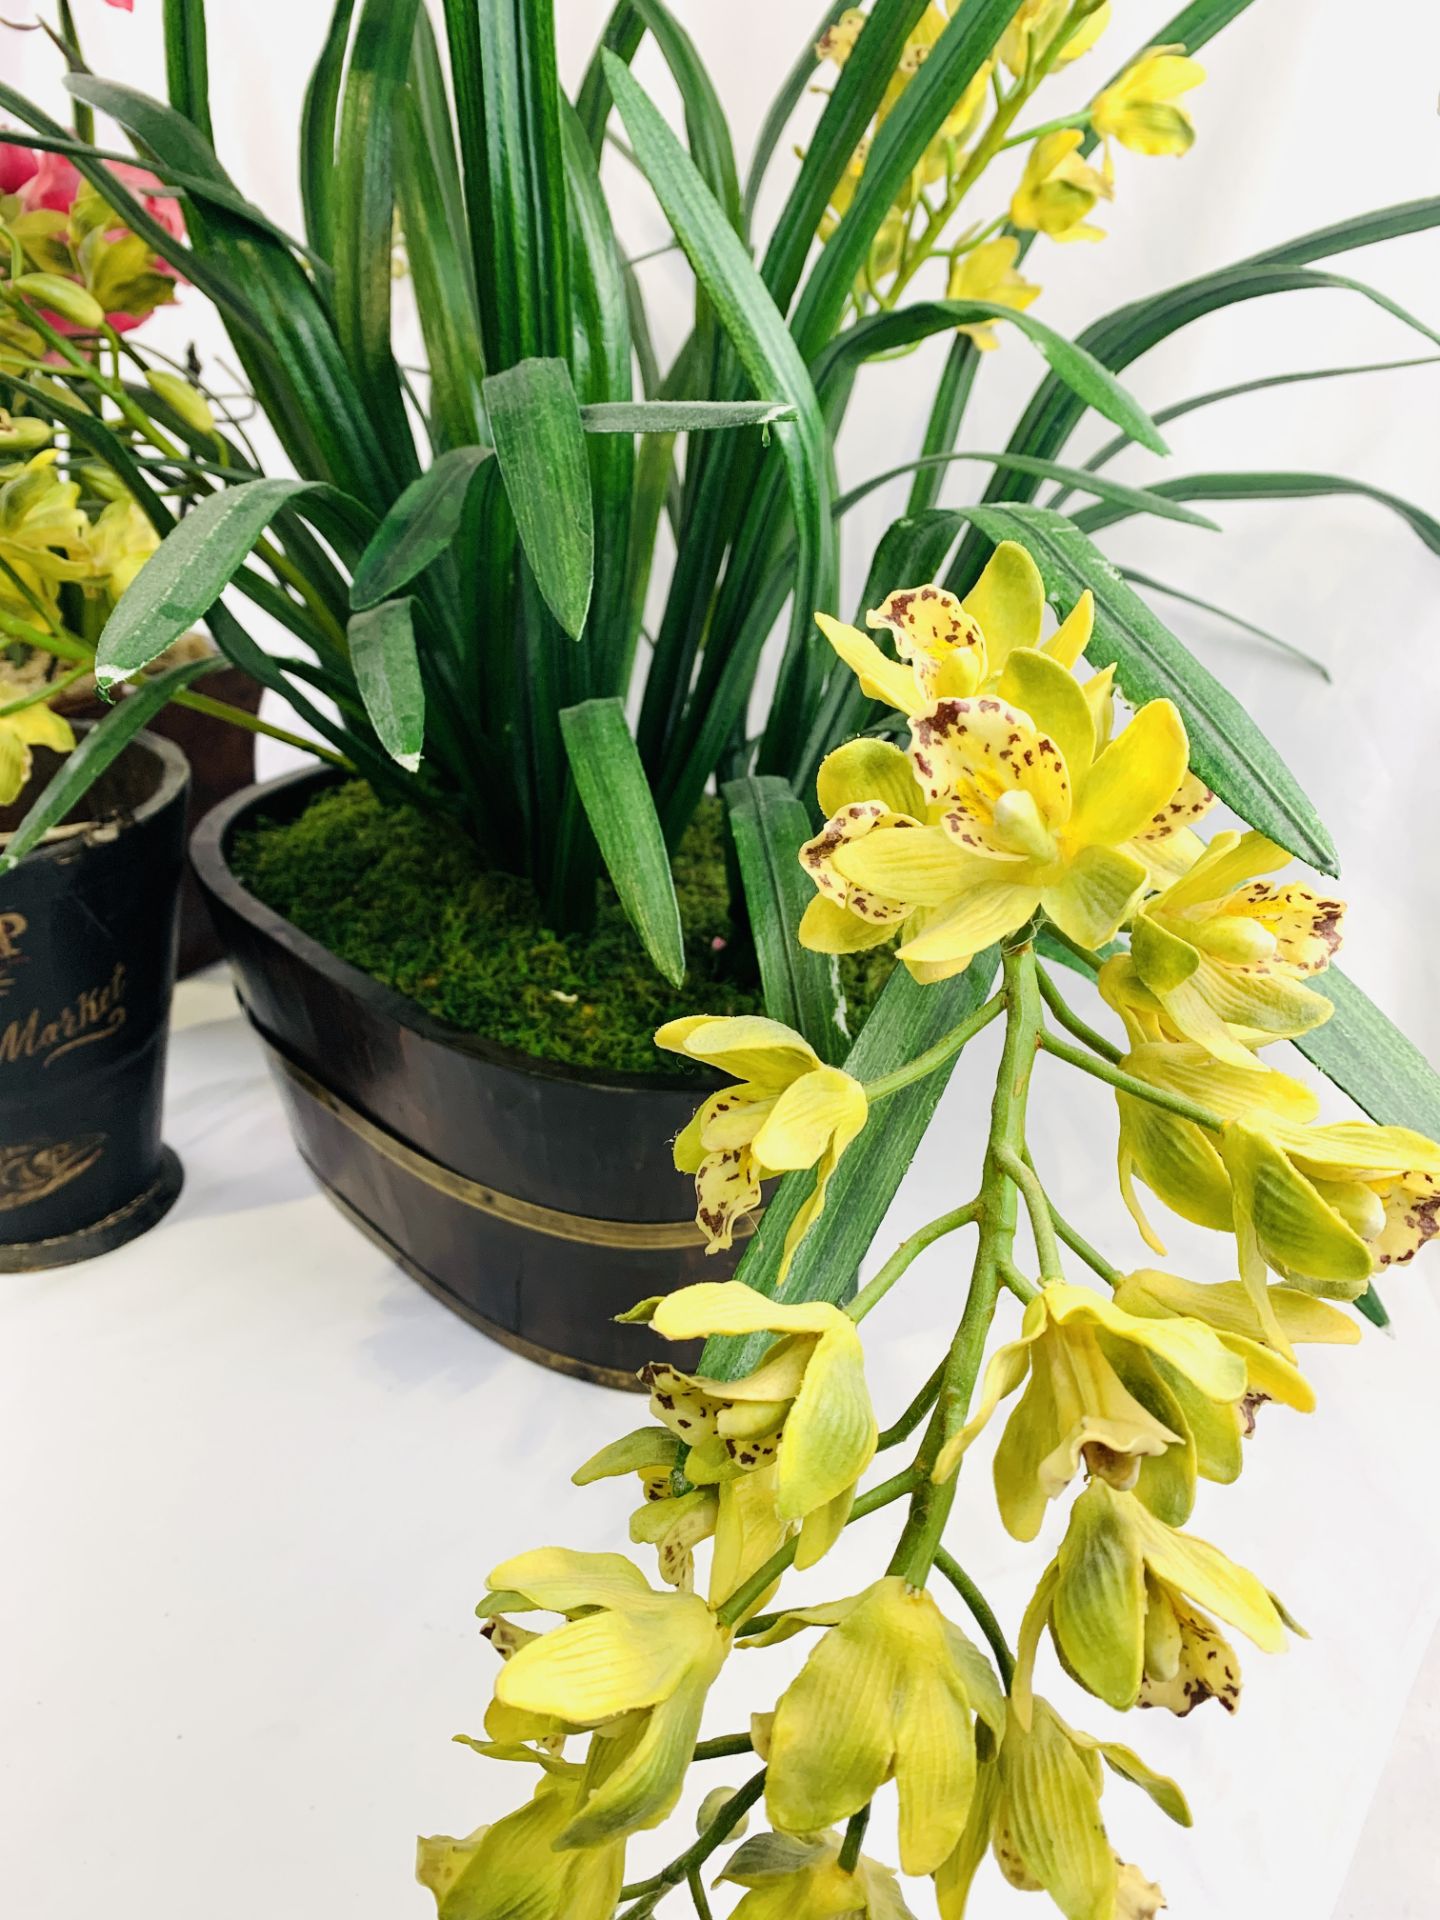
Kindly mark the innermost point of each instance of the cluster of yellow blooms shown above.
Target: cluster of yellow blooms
(1017, 803)
(1058, 189)
(49, 541)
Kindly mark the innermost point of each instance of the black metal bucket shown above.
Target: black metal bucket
(536, 1200)
(87, 965)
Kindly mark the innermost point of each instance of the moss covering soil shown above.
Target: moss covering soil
(412, 904)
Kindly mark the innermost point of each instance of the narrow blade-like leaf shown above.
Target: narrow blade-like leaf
(616, 797)
(540, 448)
(387, 672)
(418, 528)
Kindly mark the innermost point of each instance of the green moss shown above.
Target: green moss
(414, 906)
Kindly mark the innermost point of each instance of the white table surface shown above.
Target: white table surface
(254, 1478)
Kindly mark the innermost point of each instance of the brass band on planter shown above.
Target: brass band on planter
(636, 1235)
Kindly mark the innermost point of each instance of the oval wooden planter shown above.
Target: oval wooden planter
(536, 1200)
(87, 964)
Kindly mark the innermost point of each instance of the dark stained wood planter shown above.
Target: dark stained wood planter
(87, 964)
(536, 1200)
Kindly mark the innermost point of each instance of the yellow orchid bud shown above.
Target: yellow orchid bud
(905, 1684)
(21, 433)
(54, 293)
(788, 1111)
(1139, 109)
(1058, 189)
(184, 400)
(1114, 1390)
(631, 1663)
(805, 1409)
(513, 1866)
(1095, 1598)
(988, 272)
(799, 1877)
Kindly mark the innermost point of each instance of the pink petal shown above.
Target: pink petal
(17, 165)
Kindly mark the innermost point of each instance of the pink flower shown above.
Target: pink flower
(125, 6)
(17, 165)
(160, 205)
(53, 185)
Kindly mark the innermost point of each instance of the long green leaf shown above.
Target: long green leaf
(792, 90)
(444, 295)
(706, 129)
(1366, 1055)
(1087, 378)
(1227, 749)
(755, 327)
(769, 825)
(507, 98)
(387, 672)
(682, 416)
(365, 223)
(187, 67)
(951, 64)
(540, 450)
(319, 118)
(81, 769)
(622, 34)
(859, 90)
(1141, 499)
(420, 526)
(616, 798)
(1271, 486)
(907, 1018)
(1179, 408)
(193, 565)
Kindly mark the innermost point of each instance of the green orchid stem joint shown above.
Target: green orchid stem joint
(645, 1893)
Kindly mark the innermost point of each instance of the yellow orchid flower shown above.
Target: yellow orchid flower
(988, 272)
(630, 1664)
(1094, 1598)
(949, 646)
(1058, 189)
(1020, 814)
(1139, 109)
(1187, 1658)
(788, 1111)
(43, 531)
(799, 1877)
(1034, 25)
(1039, 1802)
(889, 1692)
(805, 1409)
(1225, 955)
(672, 1522)
(1105, 1387)
(119, 544)
(837, 43)
(1327, 1207)
(35, 725)
(513, 1867)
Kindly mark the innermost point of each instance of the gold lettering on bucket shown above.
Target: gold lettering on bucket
(94, 1014)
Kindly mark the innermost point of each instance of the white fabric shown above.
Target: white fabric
(254, 1478)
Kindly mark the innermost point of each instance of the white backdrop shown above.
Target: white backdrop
(255, 1478)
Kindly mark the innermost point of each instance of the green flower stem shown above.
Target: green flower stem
(1073, 1024)
(1011, 1277)
(1077, 1243)
(943, 1051)
(914, 1413)
(854, 1838)
(723, 1746)
(698, 1894)
(745, 1596)
(646, 1893)
(981, 1609)
(61, 644)
(874, 1291)
(931, 1502)
(1127, 1083)
(1038, 1207)
(1027, 134)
